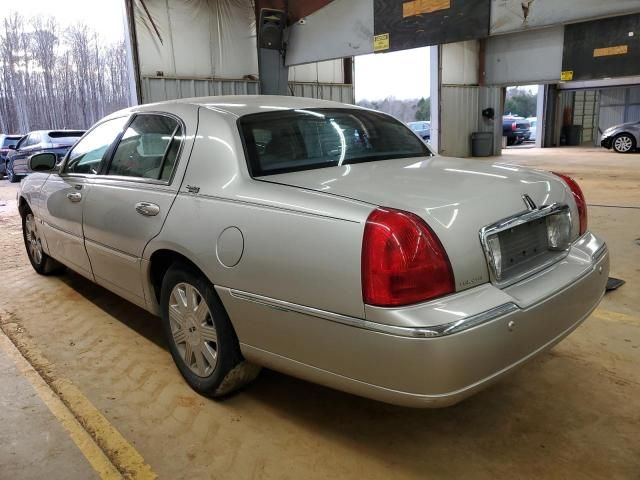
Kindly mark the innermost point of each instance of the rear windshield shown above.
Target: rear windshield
(69, 136)
(10, 141)
(294, 140)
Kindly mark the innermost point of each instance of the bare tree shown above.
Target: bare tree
(50, 78)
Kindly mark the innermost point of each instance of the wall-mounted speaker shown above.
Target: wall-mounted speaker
(270, 28)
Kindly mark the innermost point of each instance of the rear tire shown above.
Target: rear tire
(40, 261)
(624, 143)
(201, 338)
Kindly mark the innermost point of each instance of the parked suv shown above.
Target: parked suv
(39, 141)
(516, 129)
(6, 142)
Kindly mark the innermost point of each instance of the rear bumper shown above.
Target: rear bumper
(401, 367)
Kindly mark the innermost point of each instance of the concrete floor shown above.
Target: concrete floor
(572, 413)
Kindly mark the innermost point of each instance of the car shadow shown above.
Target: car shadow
(136, 318)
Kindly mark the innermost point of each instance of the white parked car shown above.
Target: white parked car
(533, 122)
(319, 239)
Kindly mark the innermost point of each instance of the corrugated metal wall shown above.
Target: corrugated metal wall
(158, 89)
(458, 119)
(491, 97)
(585, 113)
(461, 115)
(618, 105)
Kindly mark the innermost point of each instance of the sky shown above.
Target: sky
(404, 75)
(105, 16)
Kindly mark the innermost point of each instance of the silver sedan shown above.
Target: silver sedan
(318, 239)
(623, 138)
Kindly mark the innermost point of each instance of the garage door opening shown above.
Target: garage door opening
(397, 83)
(520, 117)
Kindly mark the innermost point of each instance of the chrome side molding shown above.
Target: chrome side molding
(411, 332)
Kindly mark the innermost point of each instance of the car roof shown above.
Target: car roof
(240, 105)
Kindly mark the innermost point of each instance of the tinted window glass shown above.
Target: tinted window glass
(10, 141)
(148, 148)
(67, 134)
(288, 141)
(65, 138)
(86, 156)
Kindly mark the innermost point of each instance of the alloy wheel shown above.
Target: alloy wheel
(193, 330)
(33, 241)
(623, 144)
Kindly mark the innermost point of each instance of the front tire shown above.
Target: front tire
(13, 178)
(201, 338)
(624, 143)
(40, 261)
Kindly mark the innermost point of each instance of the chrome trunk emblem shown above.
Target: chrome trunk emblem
(531, 205)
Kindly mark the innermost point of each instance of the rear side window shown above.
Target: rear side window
(66, 134)
(65, 137)
(289, 141)
(148, 149)
(86, 156)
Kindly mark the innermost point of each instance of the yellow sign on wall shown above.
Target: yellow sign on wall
(381, 42)
(566, 76)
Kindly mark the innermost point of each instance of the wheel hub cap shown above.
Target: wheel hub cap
(193, 330)
(33, 242)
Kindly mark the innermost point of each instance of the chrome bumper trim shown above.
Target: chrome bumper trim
(411, 332)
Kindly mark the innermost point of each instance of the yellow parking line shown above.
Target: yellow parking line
(615, 316)
(101, 443)
(94, 455)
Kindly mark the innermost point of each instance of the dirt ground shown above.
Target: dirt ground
(571, 413)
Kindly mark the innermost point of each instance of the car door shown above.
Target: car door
(23, 152)
(130, 200)
(64, 195)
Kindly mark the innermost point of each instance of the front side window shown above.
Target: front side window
(86, 156)
(32, 139)
(289, 141)
(148, 149)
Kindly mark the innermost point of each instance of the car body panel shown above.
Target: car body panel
(62, 220)
(289, 275)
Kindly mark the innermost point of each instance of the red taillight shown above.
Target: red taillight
(581, 203)
(403, 262)
(514, 126)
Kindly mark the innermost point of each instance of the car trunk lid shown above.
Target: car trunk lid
(456, 197)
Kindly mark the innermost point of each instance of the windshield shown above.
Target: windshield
(10, 142)
(294, 140)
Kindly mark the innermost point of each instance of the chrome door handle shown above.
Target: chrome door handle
(74, 197)
(148, 209)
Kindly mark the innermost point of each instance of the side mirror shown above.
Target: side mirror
(43, 162)
(11, 147)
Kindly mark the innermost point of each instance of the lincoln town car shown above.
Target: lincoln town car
(321, 240)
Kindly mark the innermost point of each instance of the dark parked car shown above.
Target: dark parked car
(422, 128)
(516, 129)
(39, 141)
(6, 141)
